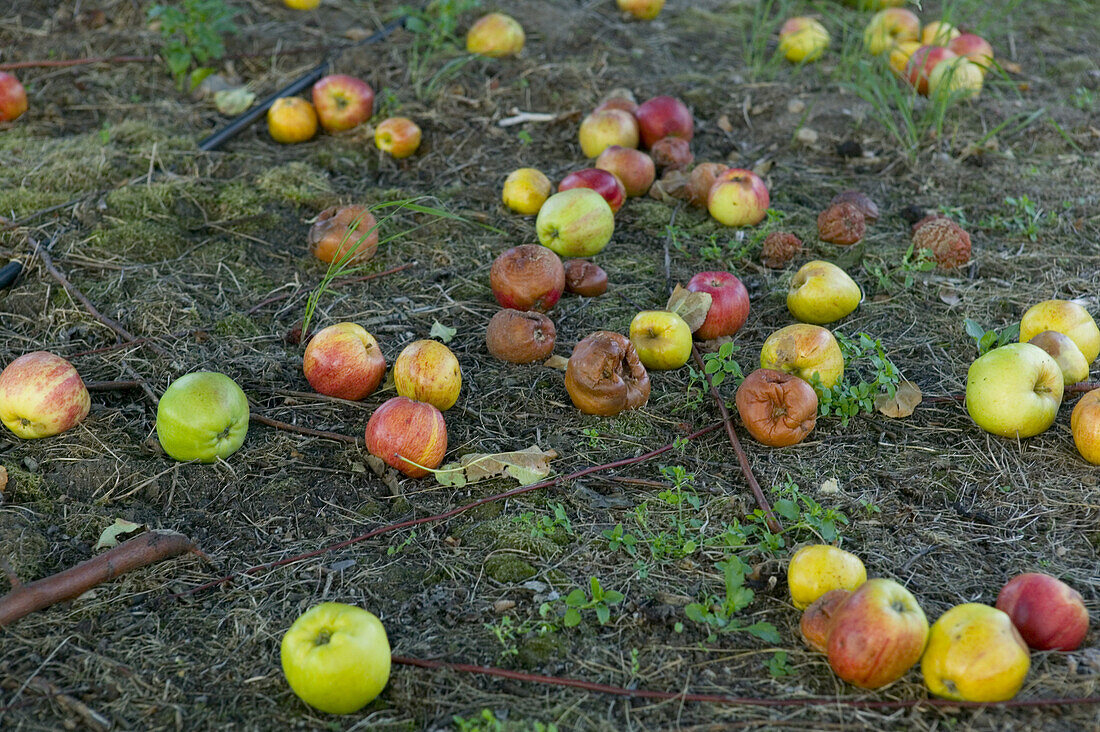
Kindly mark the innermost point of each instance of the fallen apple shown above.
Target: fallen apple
(802, 39)
(527, 277)
(520, 336)
(344, 360)
(1014, 391)
(291, 120)
(804, 350)
(664, 116)
(633, 167)
(599, 180)
(975, 48)
(957, 77)
(738, 198)
(877, 635)
(818, 568)
(336, 657)
(821, 292)
(13, 97)
(817, 619)
(1084, 424)
(584, 278)
(525, 190)
(641, 9)
(974, 654)
(729, 305)
(495, 35)
(398, 136)
(662, 339)
(1065, 353)
(923, 63)
(408, 435)
(348, 234)
(1064, 316)
(890, 26)
(1049, 614)
(428, 371)
(41, 395)
(703, 176)
(618, 99)
(575, 223)
(202, 416)
(938, 33)
(604, 375)
(778, 409)
(342, 102)
(900, 53)
(603, 129)
(671, 153)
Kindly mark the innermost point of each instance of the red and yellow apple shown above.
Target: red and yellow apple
(600, 130)
(818, 568)
(641, 9)
(923, 63)
(1084, 423)
(1014, 391)
(342, 102)
(632, 167)
(202, 416)
(605, 183)
(301, 4)
(291, 120)
(973, 47)
(527, 277)
(878, 634)
(661, 338)
(738, 197)
(344, 361)
(804, 350)
(13, 97)
(900, 53)
(821, 292)
(803, 39)
(888, 27)
(336, 657)
(428, 371)
(408, 435)
(575, 223)
(1064, 316)
(398, 136)
(974, 654)
(1050, 615)
(729, 303)
(618, 99)
(525, 190)
(662, 117)
(957, 77)
(1065, 353)
(41, 395)
(938, 33)
(495, 35)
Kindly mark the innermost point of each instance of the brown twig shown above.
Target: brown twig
(141, 551)
(331, 285)
(47, 262)
(730, 700)
(446, 515)
(112, 385)
(742, 458)
(304, 430)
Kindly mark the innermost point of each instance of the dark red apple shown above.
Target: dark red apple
(1049, 614)
(729, 304)
(664, 117)
(601, 181)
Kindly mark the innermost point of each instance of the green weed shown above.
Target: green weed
(193, 33)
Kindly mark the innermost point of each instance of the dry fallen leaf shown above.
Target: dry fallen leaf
(232, 102)
(724, 123)
(691, 306)
(906, 398)
(557, 362)
(830, 486)
(527, 466)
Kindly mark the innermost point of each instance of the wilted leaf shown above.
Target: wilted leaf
(906, 398)
(120, 530)
(691, 306)
(557, 362)
(527, 466)
(442, 332)
(830, 486)
(232, 102)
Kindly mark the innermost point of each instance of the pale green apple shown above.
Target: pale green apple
(202, 416)
(821, 292)
(1064, 316)
(578, 222)
(1065, 352)
(336, 657)
(1014, 390)
(661, 338)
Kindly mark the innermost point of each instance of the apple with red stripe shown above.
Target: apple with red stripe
(344, 361)
(599, 180)
(41, 395)
(342, 102)
(402, 432)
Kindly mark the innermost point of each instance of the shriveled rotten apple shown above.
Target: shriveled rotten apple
(584, 278)
(527, 277)
(671, 153)
(519, 336)
(702, 178)
(605, 376)
(350, 231)
(777, 408)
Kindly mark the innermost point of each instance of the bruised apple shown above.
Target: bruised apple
(777, 409)
(671, 153)
(605, 376)
(817, 619)
(804, 350)
(584, 278)
(403, 431)
(347, 234)
(701, 179)
(527, 277)
(519, 336)
(1050, 615)
(428, 371)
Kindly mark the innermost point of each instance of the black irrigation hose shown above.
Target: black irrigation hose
(219, 138)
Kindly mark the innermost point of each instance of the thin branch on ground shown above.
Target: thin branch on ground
(112, 385)
(742, 458)
(287, 427)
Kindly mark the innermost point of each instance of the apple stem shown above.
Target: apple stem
(742, 459)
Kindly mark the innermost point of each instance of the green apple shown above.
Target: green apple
(1064, 316)
(336, 657)
(202, 416)
(575, 223)
(1014, 390)
(662, 339)
(1065, 352)
(822, 292)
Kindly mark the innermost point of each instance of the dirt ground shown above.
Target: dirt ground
(184, 254)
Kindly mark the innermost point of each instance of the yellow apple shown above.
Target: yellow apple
(821, 292)
(291, 119)
(495, 35)
(607, 128)
(525, 190)
(641, 9)
(301, 4)
(662, 339)
(1065, 352)
(336, 657)
(428, 371)
(1066, 317)
(803, 39)
(938, 33)
(900, 53)
(818, 568)
(803, 349)
(1014, 390)
(1084, 423)
(888, 27)
(975, 654)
